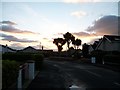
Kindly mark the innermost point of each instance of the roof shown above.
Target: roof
(94, 45)
(3, 46)
(29, 47)
(112, 38)
(109, 38)
(34, 50)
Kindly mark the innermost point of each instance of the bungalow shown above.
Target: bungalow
(33, 50)
(29, 49)
(109, 43)
(90, 49)
(4, 49)
(93, 46)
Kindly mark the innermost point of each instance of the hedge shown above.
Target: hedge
(38, 58)
(21, 57)
(9, 73)
(24, 57)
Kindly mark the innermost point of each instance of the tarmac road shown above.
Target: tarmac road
(88, 77)
(59, 75)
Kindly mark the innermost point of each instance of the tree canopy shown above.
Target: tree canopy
(85, 49)
(68, 38)
(59, 42)
(77, 43)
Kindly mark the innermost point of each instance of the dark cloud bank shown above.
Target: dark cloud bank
(107, 25)
(8, 26)
(13, 38)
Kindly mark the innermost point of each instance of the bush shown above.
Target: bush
(9, 73)
(20, 57)
(38, 57)
(38, 60)
(24, 57)
(8, 56)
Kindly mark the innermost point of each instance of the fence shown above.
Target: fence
(26, 72)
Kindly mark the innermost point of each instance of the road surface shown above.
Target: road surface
(87, 77)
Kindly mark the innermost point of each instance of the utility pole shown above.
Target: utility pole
(40, 45)
(42, 48)
(6, 48)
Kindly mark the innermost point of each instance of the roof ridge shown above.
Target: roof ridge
(8, 47)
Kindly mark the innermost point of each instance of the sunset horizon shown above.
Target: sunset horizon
(60, 44)
(37, 24)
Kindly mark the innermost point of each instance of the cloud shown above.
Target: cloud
(86, 37)
(39, 47)
(11, 29)
(83, 34)
(80, 34)
(7, 26)
(12, 38)
(17, 46)
(48, 39)
(78, 14)
(45, 38)
(58, 34)
(93, 40)
(79, 1)
(105, 25)
(8, 22)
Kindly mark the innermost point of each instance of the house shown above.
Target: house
(93, 46)
(29, 49)
(90, 49)
(109, 43)
(4, 49)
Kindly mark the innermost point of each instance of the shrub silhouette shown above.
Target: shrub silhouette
(9, 73)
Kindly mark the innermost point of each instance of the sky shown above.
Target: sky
(37, 22)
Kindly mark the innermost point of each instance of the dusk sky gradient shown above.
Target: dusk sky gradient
(32, 23)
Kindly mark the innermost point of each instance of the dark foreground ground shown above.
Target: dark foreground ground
(57, 75)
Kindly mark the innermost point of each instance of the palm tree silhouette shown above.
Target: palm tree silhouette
(77, 43)
(59, 42)
(68, 38)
